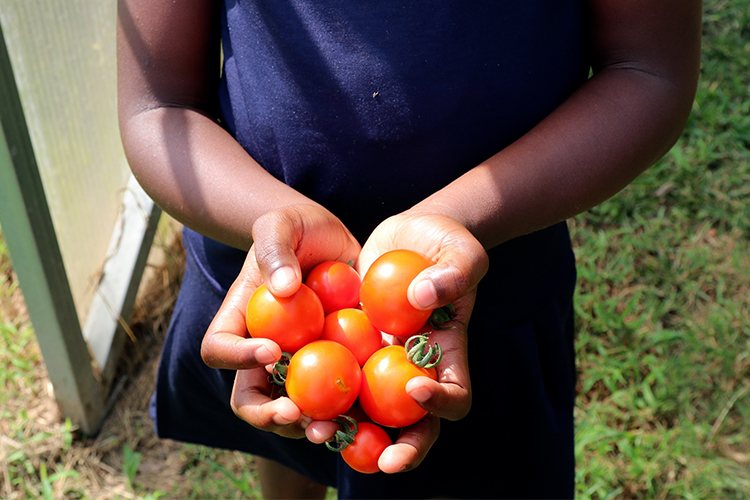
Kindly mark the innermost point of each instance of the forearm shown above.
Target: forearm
(646, 57)
(195, 171)
(617, 125)
(168, 73)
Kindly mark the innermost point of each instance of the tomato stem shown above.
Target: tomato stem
(280, 368)
(421, 353)
(441, 316)
(345, 437)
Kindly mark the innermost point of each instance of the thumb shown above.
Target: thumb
(276, 236)
(459, 268)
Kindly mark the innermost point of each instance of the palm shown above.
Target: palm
(296, 238)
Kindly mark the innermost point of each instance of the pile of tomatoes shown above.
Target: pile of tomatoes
(331, 332)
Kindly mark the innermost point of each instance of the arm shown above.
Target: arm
(168, 73)
(646, 57)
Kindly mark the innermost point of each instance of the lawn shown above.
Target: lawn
(663, 302)
(663, 310)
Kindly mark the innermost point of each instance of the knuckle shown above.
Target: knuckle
(268, 254)
(207, 350)
(274, 235)
(274, 222)
(450, 282)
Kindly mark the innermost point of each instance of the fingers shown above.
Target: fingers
(320, 431)
(411, 447)
(225, 344)
(276, 236)
(251, 401)
(290, 241)
(450, 401)
(461, 262)
(229, 352)
(449, 397)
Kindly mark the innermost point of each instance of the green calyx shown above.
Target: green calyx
(421, 353)
(442, 315)
(280, 368)
(344, 436)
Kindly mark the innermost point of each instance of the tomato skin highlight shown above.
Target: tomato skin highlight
(323, 379)
(336, 284)
(383, 395)
(383, 292)
(291, 321)
(352, 329)
(369, 443)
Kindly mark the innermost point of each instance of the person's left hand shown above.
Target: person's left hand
(460, 262)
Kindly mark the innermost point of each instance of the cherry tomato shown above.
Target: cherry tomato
(291, 321)
(351, 328)
(323, 379)
(383, 395)
(369, 443)
(336, 284)
(383, 292)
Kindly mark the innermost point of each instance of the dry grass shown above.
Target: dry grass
(35, 441)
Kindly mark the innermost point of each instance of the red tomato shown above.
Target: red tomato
(369, 443)
(352, 329)
(383, 292)
(323, 379)
(291, 322)
(383, 395)
(336, 284)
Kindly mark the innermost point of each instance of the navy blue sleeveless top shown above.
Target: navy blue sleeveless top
(377, 104)
(368, 107)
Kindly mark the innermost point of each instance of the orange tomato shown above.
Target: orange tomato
(351, 328)
(383, 292)
(291, 321)
(336, 284)
(323, 379)
(383, 395)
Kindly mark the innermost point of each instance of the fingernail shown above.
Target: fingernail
(264, 356)
(420, 394)
(425, 294)
(281, 420)
(305, 421)
(282, 278)
(286, 412)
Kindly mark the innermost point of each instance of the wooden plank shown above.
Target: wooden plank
(35, 253)
(105, 329)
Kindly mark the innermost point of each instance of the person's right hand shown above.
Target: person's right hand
(287, 243)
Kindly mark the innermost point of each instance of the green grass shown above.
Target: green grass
(663, 310)
(663, 303)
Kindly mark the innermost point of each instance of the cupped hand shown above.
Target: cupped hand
(449, 397)
(459, 263)
(460, 260)
(287, 243)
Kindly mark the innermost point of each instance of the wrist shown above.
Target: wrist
(451, 211)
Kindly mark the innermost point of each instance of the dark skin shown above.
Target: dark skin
(646, 56)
